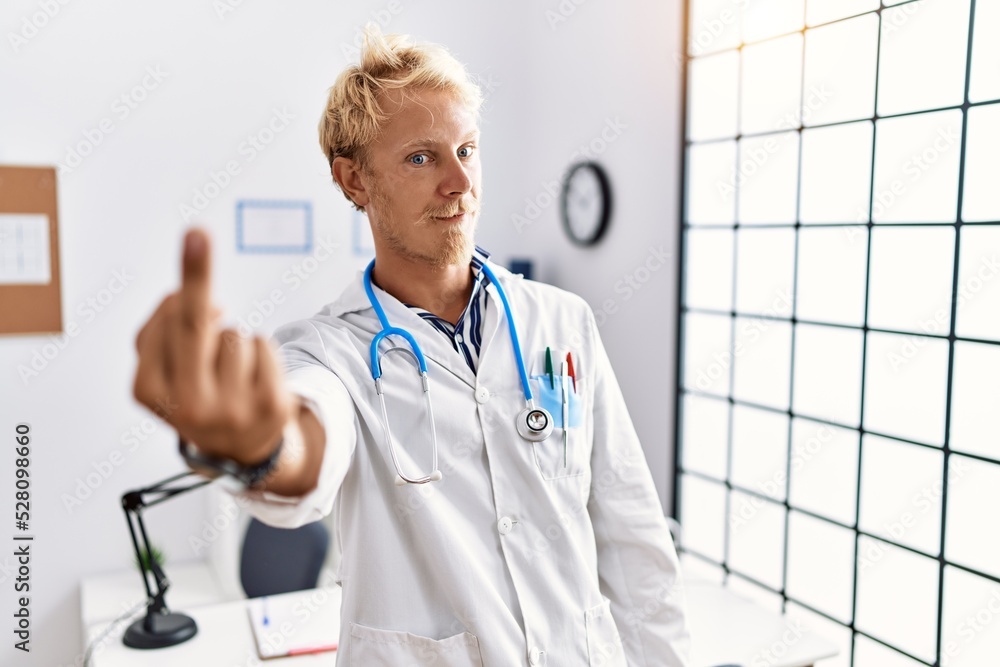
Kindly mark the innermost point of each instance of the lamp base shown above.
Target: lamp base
(167, 630)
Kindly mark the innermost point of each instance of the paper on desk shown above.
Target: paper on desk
(297, 623)
(24, 249)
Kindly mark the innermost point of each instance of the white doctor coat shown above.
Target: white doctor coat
(518, 555)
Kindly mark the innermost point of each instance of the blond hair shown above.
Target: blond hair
(354, 112)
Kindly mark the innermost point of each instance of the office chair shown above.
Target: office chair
(282, 560)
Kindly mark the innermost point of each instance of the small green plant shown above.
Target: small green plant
(157, 555)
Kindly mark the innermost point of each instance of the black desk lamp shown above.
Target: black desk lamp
(159, 628)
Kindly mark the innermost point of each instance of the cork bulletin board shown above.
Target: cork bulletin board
(30, 288)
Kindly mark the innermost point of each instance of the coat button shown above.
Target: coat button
(536, 656)
(504, 525)
(482, 395)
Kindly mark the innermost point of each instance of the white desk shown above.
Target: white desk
(224, 639)
(729, 629)
(725, 629)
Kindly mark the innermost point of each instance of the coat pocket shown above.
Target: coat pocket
(370, 647)
(604, 645)
(556, 458)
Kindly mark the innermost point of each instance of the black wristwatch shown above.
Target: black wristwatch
(249, 476)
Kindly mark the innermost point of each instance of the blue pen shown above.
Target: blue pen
(263, 603)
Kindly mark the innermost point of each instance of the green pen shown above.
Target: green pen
(548, 367)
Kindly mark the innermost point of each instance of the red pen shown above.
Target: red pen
(572, 373)
(315, 649)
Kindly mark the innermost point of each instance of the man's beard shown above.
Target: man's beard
(455, 247)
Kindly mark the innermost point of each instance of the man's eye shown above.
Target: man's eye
(420, 158)
(466, 151)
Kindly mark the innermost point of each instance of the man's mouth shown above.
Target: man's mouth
(454, 218)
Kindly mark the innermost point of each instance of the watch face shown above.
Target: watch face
(585, 203)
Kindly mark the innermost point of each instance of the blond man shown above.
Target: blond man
(513, 550)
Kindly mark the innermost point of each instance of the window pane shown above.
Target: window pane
(911, 276)
(916, 168)
(762, 350)
(872, 654)
(831, 274)
(715, 25)
(840, 80)
(769, 176)
(985, 84)
(978, 286)
(712, 100)
(767, 18)
(760, 451)
(765, 269)
(901, 493)
(711, 168)
(973, 537)
(828, 374)
(897, 598)
(981, 202)
(975, 398)
(703, 516)
(821, 11)
(705, 432)
(922, 63)
(821, 565)
(824, 470)
(756, 538)
(707, 357)
(970, 630)
(709, 267)
(772, 83)
(905, 382)
(836, 173)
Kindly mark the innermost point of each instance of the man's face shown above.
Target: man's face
(424, 179)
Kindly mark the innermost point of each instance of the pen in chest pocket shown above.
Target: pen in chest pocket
(564, 380)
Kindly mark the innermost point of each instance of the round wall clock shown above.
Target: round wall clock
(585, 203)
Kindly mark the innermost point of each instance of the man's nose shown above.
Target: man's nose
(456, 180)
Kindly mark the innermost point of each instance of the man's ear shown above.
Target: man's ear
(347, 173)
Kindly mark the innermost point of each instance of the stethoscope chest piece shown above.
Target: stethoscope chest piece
(534, 424)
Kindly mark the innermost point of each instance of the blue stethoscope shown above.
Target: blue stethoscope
(533, 423)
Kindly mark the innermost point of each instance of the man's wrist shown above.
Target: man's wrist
(251, 475)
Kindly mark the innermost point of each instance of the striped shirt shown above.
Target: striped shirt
(466, 336)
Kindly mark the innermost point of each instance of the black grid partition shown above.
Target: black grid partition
(839, 359)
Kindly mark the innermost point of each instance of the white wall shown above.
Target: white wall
(550, 91)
